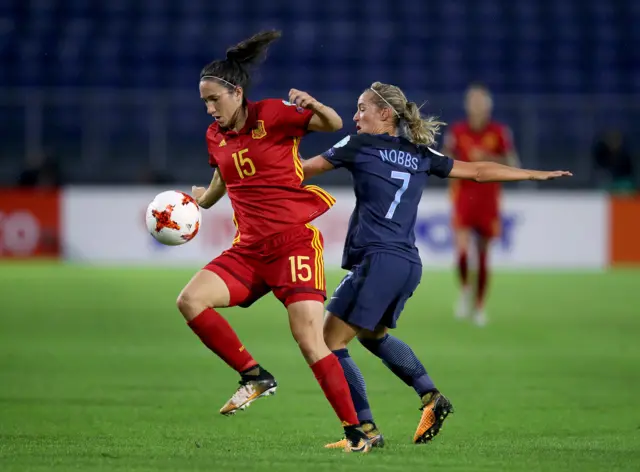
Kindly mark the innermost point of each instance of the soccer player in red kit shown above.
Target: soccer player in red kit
(476, 206)
(253, 147)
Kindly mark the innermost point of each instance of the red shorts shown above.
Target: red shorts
(290, 264)
(486, 223)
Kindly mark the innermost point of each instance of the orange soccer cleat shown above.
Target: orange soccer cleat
(435, 410)
(370, 429)
(248, 392)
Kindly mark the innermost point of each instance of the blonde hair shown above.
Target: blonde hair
(408, 120)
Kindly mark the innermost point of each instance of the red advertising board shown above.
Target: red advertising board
(29, 223)
(625, 230)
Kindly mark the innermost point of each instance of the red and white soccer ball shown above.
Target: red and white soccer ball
(173, 218)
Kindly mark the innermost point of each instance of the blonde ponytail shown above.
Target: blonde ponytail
(423, 130)
(408, 120)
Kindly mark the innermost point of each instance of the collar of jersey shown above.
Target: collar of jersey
(480, 131)
(250, 123)
(388, 137)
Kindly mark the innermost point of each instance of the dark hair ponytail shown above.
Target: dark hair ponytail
(251, 51)
(234, 70)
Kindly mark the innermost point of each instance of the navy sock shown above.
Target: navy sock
(402, 361)
(357, 387)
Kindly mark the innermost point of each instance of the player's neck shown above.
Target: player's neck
(240, 119)
(478, 124)
(385, 130)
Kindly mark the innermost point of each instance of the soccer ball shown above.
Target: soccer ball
(173, 218)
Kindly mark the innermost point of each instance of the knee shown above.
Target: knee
(332, 339)
(189, 305)
(462, 247)
(462, 240)
(371, 339)
(308, 343)
(311, 346)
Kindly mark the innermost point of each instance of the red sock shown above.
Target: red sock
(483, 277)
(463, 268)
(218, 335)
(335, 387)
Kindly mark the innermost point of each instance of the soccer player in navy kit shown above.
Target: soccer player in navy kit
(390, 161)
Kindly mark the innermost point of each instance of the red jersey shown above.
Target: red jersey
(262, 170)
(494, 139)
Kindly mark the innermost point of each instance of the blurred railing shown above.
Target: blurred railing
(115, 136)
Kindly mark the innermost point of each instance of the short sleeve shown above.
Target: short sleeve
(439, 164)
(449, 141)
(290, 119)
(506, 136)
(343, 153)
(210, 148)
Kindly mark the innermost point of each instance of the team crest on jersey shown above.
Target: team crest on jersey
(222, 143)
(490, 141)
(259, 131)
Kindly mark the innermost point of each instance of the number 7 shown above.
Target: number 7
(405, 177)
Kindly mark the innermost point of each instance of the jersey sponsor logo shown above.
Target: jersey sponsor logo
(222, 143)
(259, 131)
(399, 157)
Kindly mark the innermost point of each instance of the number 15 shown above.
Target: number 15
(244, 165)
(300, 270)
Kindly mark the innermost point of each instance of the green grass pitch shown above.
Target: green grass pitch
(99, 372)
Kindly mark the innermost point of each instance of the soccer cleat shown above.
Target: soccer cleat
(480, 317)
(434, 412)
(248, 392)
(373, 434)
(465, 302)
(356, 440)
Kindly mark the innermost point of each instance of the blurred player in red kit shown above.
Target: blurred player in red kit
(253, 147)
(476, 206)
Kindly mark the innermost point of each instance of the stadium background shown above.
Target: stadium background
(99, 111)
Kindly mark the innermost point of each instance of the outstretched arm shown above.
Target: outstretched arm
(494, 172)
(324, 118)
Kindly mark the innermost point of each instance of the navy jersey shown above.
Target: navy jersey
(389, 176)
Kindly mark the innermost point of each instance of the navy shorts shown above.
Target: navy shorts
(375, 291)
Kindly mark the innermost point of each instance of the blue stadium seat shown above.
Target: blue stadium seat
(332, 48)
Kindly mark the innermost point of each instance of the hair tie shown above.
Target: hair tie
(388, 104)
(218, 78)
